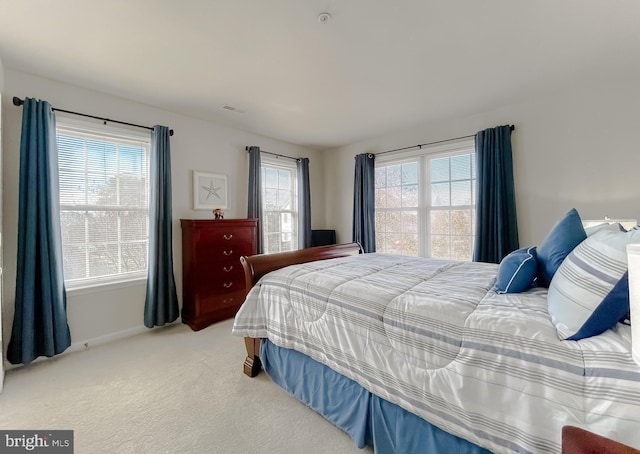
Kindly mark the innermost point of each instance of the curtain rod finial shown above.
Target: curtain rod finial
(17, 101)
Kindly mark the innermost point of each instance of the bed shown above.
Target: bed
(411, 354)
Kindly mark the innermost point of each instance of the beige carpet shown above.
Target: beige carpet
(170, 390)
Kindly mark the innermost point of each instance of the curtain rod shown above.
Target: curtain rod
(18, 102)
(274, 154)
(432, 143)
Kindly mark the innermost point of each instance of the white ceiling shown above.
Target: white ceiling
(377, 67)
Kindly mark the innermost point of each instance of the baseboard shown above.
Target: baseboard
(86, 344)
(94, 342)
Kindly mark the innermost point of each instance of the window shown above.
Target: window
(279, 205)
(425, 202)
(397, 208)
(104, 203)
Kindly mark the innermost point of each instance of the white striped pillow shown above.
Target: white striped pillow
(586, 276)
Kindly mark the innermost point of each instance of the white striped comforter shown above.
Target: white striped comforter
(433, 337)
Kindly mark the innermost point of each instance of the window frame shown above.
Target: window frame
(290, 165)
(423, 156)
(125, 136)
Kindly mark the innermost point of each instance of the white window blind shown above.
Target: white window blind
(452, 209)
(104, 204)
(279, 205)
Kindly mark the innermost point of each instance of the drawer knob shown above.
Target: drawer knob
(227, 237)
(227, 269)
(229, 252)
(228, 285)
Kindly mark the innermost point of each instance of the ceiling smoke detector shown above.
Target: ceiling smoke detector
(324, 18)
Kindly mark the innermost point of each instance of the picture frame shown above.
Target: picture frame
(210, 191)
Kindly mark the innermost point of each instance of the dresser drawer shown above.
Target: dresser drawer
(208, 308)
(226, 238)
(220, 275)
(237, 237)
(223, 253)
(215, 288)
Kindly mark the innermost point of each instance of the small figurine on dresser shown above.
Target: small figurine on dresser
(217, 214)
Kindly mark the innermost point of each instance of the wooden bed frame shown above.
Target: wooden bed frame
(256, 266)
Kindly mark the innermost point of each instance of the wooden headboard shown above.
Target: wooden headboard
(256, 266)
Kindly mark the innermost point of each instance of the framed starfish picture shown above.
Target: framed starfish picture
(209, 191)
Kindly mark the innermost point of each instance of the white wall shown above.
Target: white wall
(576, 148)
(1, 237)
(196, 145)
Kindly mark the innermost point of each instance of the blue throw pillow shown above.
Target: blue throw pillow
(560, 241)
(587, 276)
(614, 308)
(517, 271)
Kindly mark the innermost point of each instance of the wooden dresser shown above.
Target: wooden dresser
(213, 286)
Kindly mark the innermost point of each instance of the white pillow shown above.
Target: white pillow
(586, 276)
(596, 228)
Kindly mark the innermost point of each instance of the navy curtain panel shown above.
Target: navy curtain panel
(304, 204)
(40, 325)
(254, 209)
(364, 202)
(161, 301)
(496, 224)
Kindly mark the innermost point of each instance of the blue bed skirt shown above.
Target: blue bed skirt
(367, 418)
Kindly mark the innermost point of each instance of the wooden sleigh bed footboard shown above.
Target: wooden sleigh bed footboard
(256, 266)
